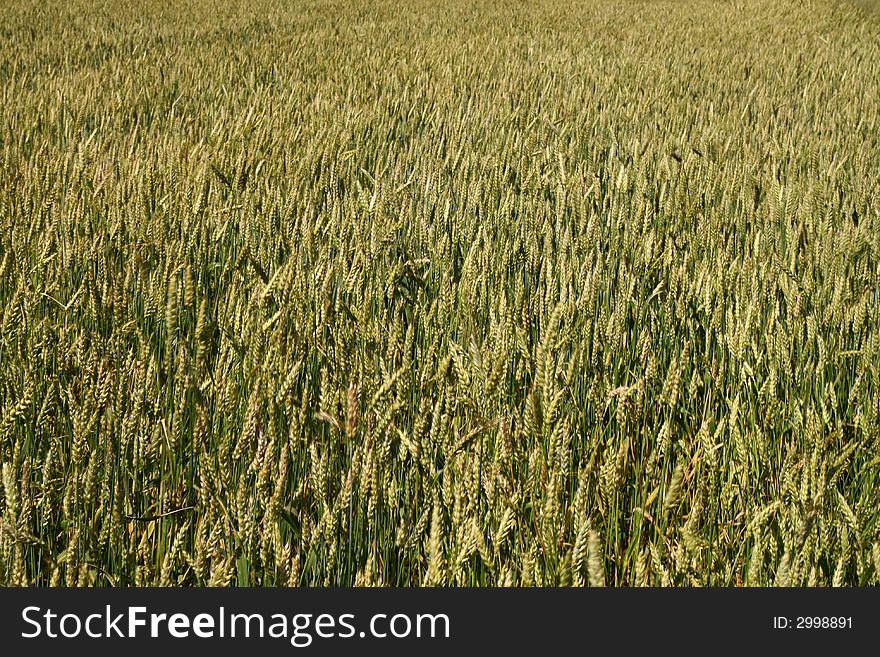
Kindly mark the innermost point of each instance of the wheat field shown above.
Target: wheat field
(471, 293)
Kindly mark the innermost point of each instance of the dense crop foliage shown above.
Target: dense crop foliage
(439, 293)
